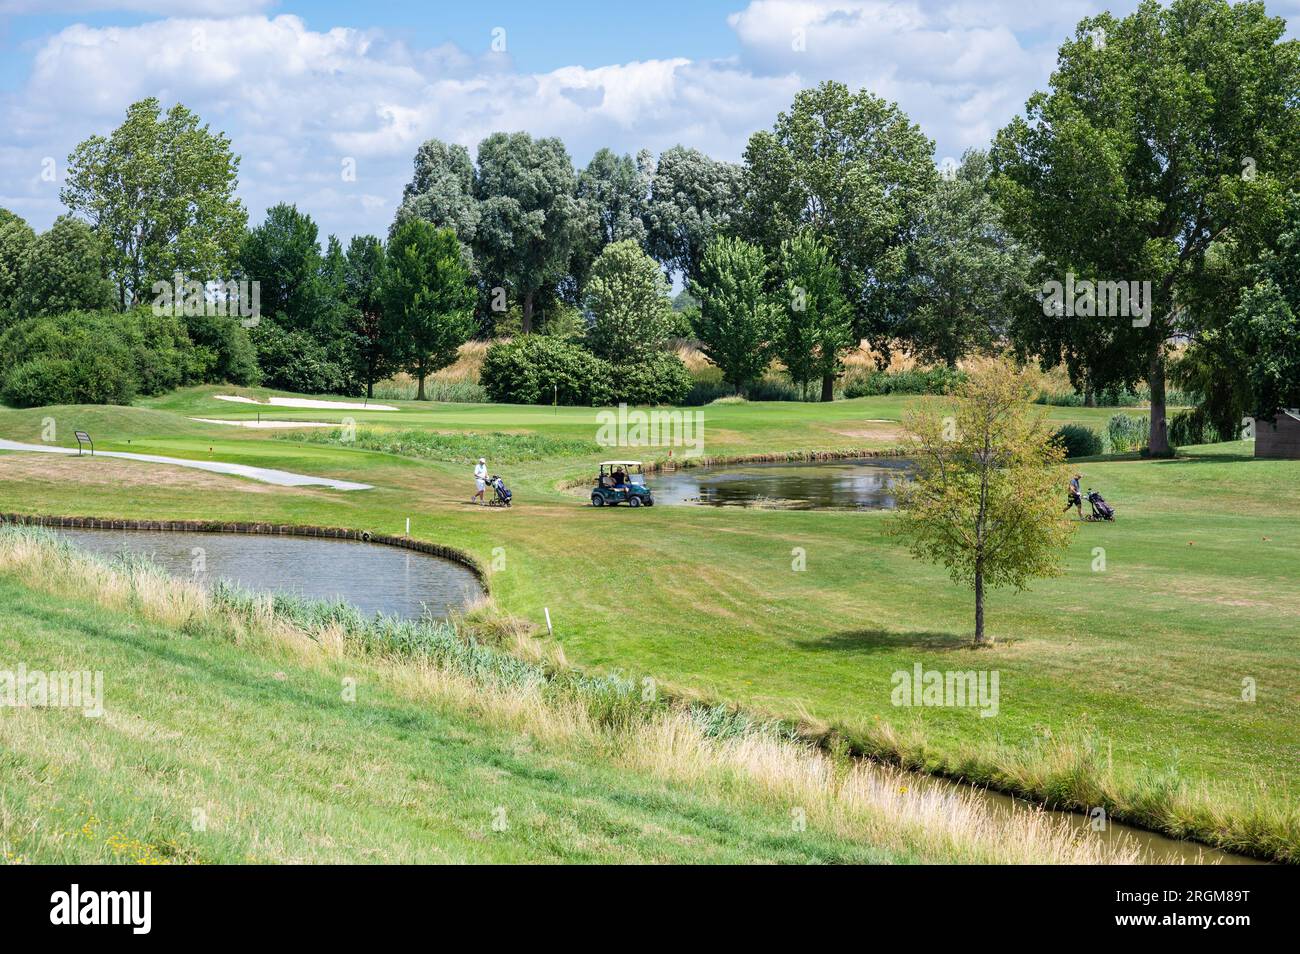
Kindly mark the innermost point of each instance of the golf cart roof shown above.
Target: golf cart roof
(620, 463)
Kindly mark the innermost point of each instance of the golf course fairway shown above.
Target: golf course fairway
(1155, 678)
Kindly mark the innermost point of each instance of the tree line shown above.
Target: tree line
(1162, 154)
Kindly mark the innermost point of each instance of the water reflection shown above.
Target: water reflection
(821, 485)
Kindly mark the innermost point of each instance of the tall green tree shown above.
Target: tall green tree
(616, 189)
(160, 193)
(692, 199)
(627, 296)
(612, 193)
(332, 325)
(1164, 138)
(1260, 341)
(16, 237)
(816, 319)
(283, 254)
(63, 270)
(963, 270)
(363, 275)
(529, 216)
(441, 190)
(856, 171)
(428, 303)
(737, 321)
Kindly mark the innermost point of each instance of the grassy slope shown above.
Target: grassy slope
(228, 712)
(1147, 656)
(286, 772)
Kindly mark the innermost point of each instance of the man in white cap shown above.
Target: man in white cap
(480, 480)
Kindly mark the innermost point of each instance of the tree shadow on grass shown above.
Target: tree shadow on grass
(1209, 459)
(883, 641)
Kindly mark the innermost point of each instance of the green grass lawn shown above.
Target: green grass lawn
(232, 733)
(219, 755)
(1130, 675)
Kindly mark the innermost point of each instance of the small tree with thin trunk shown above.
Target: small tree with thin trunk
(985, 499)
(428, 305)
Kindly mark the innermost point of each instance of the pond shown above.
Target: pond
(863, 484)
(372, 577)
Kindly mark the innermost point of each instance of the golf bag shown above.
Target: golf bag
(502, 493)
(1100, 509)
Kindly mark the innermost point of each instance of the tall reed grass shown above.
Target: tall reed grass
(509, 680)
(497, 447)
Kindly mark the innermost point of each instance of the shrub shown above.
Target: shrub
(1195, 427)
(940, 380)
(566, 322)
(105, 374)
(1078, 441)
(1127, 433)
(162, 350)
(40, 382)
(295, 361)
(93, 358)
(97, 375)
(706, 391)
(659, 377)
(530, 369)
(223, 352)
(536, 369)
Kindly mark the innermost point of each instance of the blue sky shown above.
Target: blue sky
(609, 33)
(304, 90)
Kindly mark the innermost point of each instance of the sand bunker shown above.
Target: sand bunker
(305, 402)
(281, 478)
(264, 425)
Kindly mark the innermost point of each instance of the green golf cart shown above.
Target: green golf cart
(621, 481)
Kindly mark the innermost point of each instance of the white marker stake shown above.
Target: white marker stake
(547, 611)
(408, 526)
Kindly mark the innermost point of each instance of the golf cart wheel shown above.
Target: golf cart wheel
(634, 501)
(597, 500)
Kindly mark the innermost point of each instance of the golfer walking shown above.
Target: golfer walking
(1074, 499)
(480, 480)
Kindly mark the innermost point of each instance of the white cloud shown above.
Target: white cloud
(297, 102)
(958, 69)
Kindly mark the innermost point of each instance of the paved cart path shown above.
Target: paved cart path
(282, 478)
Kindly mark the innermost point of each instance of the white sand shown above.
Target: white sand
(281, 478)
(265, 425)
(305, 402)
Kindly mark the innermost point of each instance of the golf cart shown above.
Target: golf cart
(621, 481)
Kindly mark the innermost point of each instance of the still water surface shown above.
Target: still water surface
(372, 577)
(815, 485)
